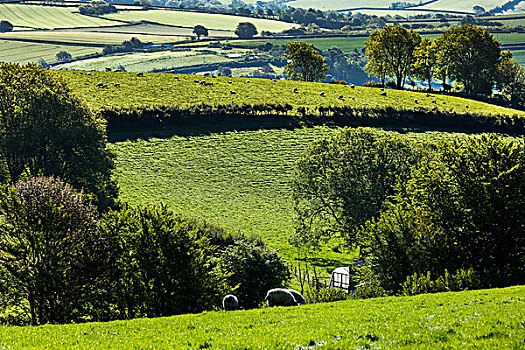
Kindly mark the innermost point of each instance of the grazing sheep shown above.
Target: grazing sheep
(322, 93)
(340, 97)
(415, 100)
(203, 82)
(233, 92)
(230, 302)
(428, 95)
(383, 93)
(209, 83)
(382, 89)
(294, 90)
(466, 106)
(88, 73)
(117, 84)
(229, 81)
(140, 74)
(206, 75)
(175, 77)
(274, 80)
(280, 297)
(196, 81)
(297, 296)
(247, 81)
(352, 86)
(434, 101)
(172, 71)
(108, 69)
(100, 84)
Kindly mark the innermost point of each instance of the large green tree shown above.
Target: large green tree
(425, 61)
(200, 30)
(246, 30)
(511, 78)
(469, 55)
(342, 181)
(304, 62)
(390, 53)
(46, 129)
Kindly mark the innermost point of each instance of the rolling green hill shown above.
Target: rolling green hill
(483, 319)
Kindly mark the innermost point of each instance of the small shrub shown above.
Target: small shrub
(325, 295)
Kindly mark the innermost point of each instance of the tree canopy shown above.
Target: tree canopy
(200, 30)
(246, 30)
(390, 53)
(46, 130)
(305, 62)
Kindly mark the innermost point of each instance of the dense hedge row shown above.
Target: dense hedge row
(280, 115)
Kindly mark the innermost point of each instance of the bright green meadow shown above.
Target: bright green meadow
(482, 319)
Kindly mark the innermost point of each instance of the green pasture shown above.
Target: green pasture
(190, 19)
(163, 89)
(87, 38)
(238, 180)
(463, 5)
(482, 319)
(327, 5)
(147, 61)
(23, 52)
(49, 17)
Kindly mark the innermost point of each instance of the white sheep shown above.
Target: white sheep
(230, 302)
(297, 296)
(280, 297)
(322, 93)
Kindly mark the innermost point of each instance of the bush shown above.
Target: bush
(325, 295)
(5, 26)
(162, 264)
(52, 254)
(423, 283)
(252, 270)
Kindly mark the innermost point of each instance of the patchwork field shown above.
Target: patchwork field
(190, 19)
(49, 17)
(483, 319)
(463, 5)
(23, 52)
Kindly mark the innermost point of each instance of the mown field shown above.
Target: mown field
(23, 52)
(155, 29)
(483, 319)
(190, 19)
(49, 17)
(163, 89)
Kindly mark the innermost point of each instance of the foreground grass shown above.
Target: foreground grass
(162, 89)
(484, 319)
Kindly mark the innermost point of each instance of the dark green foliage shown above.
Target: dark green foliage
(306, 64)
(461, 208)
(343, 181)
(52, 254)
(5, 26)
(246, 30)
(253, 269)
(97, 8)
(45, 129)
(423, 283)
(200, 30)
(162, 264)
(63, 56)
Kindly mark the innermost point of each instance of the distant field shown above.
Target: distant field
(480, 319)
(164, 90)
(463, 5)
(80, 37)
(190, 19)
(23, 52)
(155, 29)
(346, 44)
(147, 61)
(338, 4)
(48, 17)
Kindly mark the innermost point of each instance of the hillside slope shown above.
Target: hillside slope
(484, 319)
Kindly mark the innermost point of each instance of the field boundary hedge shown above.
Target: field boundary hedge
(207, 118)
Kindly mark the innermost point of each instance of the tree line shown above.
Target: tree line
(466, 54)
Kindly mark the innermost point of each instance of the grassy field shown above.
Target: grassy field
(147, 61)
(156, 29)
(190, 19)
(463, 5)
(23, 52)
(163, 89)
(238, 180)
(49, 17)
(484, 319)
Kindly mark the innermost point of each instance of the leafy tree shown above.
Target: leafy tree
(5, 26)
(163, 264)
(52, 254)
(246, 30)
(253, 269)
(425, 61)
(343, 181)
(63, 56)
(200, 30)
(45, 129)
(390, 53)
(511, 78)
(470, 55)
(305, 63)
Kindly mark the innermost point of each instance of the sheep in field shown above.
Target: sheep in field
(297, 296)
(280, 297)
(230, 302)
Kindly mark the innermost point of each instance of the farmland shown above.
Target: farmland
(23, 52)
(190, 19)
(49, 17)
(482, 319)
(163, 89)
